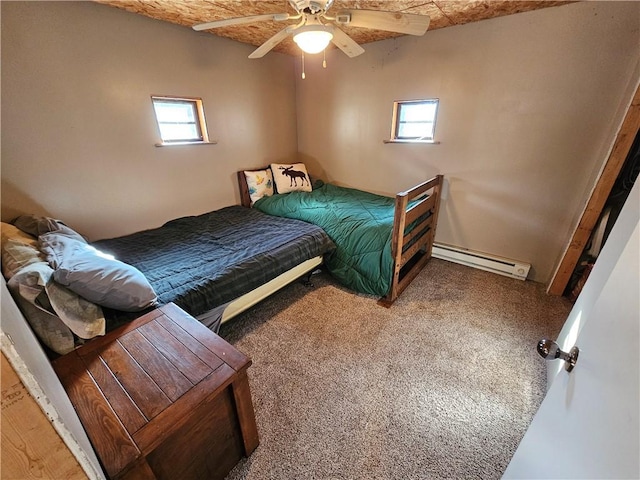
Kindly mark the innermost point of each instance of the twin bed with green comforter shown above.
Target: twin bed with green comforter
(381, 242)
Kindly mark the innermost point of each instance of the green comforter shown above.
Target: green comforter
(358, 222)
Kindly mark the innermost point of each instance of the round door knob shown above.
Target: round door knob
(549, 350)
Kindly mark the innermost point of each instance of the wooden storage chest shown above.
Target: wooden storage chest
(162, 397)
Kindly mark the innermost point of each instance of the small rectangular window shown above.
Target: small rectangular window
(414, 120)
(180, 120)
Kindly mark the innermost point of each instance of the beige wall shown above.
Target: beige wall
(529, 105)
(78, 130)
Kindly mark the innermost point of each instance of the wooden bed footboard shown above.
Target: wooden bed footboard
(411, 248)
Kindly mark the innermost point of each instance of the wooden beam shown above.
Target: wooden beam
(591, 214)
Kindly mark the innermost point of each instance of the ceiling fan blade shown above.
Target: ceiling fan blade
(345, 43)
(266, 47)
(408, 23)
(277, 17)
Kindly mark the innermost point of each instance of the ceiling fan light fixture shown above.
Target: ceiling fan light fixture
(313, 38)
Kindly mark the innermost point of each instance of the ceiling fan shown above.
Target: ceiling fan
(316, 28)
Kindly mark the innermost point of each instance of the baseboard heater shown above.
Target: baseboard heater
(483, 261)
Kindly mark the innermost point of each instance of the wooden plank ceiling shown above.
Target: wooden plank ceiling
(442, 13)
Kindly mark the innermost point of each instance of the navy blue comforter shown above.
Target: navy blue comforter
(204, 261)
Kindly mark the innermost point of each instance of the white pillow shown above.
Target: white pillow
(19, 249)
(11, 232)
(290, 177)
(260, 183)
(16, 255)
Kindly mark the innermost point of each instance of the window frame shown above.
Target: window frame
(200, 122)
(395, 122)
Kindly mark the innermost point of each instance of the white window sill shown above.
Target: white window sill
(171, 144)
(434, 142)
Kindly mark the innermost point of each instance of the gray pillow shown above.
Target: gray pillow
(95, 276)
(35, 225)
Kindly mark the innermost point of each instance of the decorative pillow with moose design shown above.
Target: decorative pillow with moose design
(290, 177)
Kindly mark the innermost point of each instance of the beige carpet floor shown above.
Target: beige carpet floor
(441, 385)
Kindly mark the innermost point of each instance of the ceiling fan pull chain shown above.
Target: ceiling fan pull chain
(324, 58)
(303, 75)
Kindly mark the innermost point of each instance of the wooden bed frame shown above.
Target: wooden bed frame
(410, 206)
(407, 262)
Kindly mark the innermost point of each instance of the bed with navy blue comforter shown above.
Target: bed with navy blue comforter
(205, 261)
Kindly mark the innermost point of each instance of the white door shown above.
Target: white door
(588, 424)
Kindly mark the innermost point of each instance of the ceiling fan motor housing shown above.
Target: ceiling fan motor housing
(311, 6)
